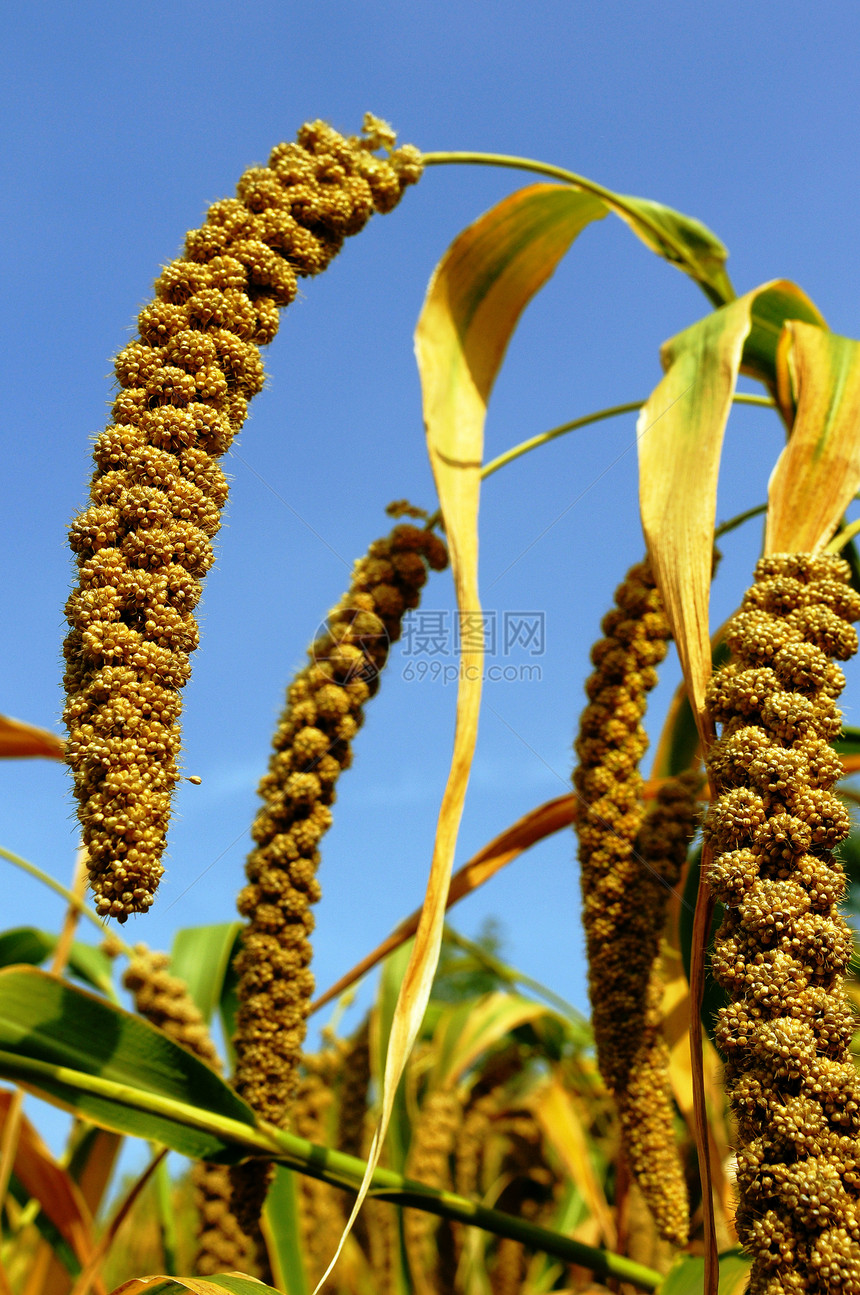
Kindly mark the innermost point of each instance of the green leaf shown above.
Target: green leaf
(781, 302)
(688, 1275)
(202, 957)
(114, 1069)
(26, 944)
(848, 742)
(665, 230)
(283, 1233)
(400, 1127)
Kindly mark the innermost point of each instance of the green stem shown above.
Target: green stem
(166, 1219)
(344, 1171)
(613, 411)
(333, 1167)
(662, 237)
(67, 895)
(734, 522)
(841, 539)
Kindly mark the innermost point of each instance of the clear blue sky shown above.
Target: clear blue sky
(121, 123)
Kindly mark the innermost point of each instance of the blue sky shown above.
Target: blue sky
(121, 123)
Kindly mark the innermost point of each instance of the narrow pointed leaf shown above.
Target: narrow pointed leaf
(202, 957)
(474, 301)
(818, 472)
(219, 1284)
(680, 434)
(675, 236)
(114, 1069)
(18, 739)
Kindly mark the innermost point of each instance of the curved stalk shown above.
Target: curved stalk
(661, 235)
(71, 899)
(333, 1167)
(725, 527)
(612, 411)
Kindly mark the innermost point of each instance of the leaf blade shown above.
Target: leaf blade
(19, 740)
(111, 1067)
(474, 301)
(818, 472)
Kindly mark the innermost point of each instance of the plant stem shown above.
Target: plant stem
(71, 899)
(346, 1172)
(662, 237)
(841, 539)
(333, 1167)
(613, 411)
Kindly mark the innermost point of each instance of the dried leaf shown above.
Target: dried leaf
(18, 739)
(47, 1182)
(680, 432)
(818, 472)
(220, 1284)
(555, 1112)
(475, 298)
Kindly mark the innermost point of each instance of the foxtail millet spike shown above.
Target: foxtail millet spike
(644, 1102)
(145, 542)
(782, 949)
(312, 745)
(625, 889)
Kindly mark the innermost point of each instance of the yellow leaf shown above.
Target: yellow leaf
(47, 1182)
(562, 1127)
(220, 1284)
(818, 472)
(680, 432)
(18, 739)
(475, 298)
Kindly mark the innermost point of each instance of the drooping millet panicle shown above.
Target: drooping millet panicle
(644, 1103)
(144, 543)
(528, 1194)
(434, 1138)
(312, 745)
(782, 949)
(623, 895)
(164, 1000)
(354, 1092)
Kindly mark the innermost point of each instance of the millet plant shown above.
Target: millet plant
(473, 1133)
